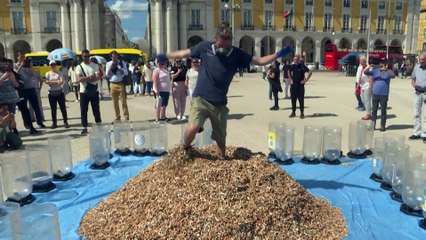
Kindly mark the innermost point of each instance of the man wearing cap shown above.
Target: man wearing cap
(219, 62)
(419, 84)
(115, 71)
(379, 85)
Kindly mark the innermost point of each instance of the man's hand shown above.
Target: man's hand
(284, 51)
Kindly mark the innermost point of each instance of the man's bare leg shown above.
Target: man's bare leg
(189, 135)
(220, 149)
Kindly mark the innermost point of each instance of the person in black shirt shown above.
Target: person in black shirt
(274, 81)
(298, 78)
(179, 89)
(286, 67)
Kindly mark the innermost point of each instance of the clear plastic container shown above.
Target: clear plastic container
(370, 134)
(106, 129)
(284, 147)
(122, 137)
(41, 167)
(312, 142)
(60, 154)
(16, 176)
(37, 221)
(9, 212)
(414, 180)
(401, 158)
(99, 153)
(159, 138)
(1, 189)
(141, 137)
(272, 134)
(390, 158)
(205, 137)
(332, 143)
(357, 137)
(378, 155)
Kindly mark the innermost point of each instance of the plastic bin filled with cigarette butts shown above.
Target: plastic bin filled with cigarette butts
(413, 182)
(159, 138)
(37, 221)
(41, 168)
(332, 145)
(122, 138)
(284, 146)
(16, 177)
(141, 138)
(60, 154)
(312, 144)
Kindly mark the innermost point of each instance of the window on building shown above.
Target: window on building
(51, 20)
(224, 16)
(247, 1)
(328, 18)
(346, 21)
(347, 3)
(16, 1)
(382, 5)
(397, 22)
(309, 2)
(224, 1)
(308, 20)
(398, 6)
(18, 21)
(424, 46)
(424, 32)
(328, 3)
(195, 17)
(381, 23)
(268, 1)
(269, 15)
(247, 17)
(364, 3)
(288, 1)
(289, 22)
(363, 23)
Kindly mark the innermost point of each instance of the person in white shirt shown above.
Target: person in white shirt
(363, 81)
(147, 74)
(115, 71)
(192, 77)
(88, 76)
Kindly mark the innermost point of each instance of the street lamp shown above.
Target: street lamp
(233, 7)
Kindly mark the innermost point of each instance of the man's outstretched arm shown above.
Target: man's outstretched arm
(180, 54)
(272, 57)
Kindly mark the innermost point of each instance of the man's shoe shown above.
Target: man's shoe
(292, 115)
(34, 132)
(274, 108)
(302, 116)
(414, 137)
(183, 117)
(66, 125)
(54, 126)
(41, 125)
(84, 132)
(382, 129)
(424, 140)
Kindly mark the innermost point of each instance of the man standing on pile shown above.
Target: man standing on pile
(219, 62)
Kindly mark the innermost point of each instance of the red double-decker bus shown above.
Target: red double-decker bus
(333, 55)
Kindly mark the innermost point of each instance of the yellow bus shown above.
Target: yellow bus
(41, 63)
(126, 54)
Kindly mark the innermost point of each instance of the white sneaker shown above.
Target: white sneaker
(183, 117)
(179, 117)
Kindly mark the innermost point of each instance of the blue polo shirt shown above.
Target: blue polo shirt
(381, 81)
(216, 72)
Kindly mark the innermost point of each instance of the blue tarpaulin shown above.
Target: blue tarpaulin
(369, 211)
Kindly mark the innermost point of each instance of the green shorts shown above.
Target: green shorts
(217, 113)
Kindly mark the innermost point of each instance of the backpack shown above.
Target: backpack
(127, 79)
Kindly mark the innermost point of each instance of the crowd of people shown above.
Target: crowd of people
(20, 86)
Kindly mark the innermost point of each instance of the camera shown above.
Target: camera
(114, 68)
(27, 63)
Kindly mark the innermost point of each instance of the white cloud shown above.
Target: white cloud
(136, 39)
(125, 31)
(126, 8)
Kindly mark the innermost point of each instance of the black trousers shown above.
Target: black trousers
(31, 96)
(53, 101)
(297, 92)
(383, 101)
(26, 118)
(85, 99)
(275, 94)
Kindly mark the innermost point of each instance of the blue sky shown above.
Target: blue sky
(133, 15)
